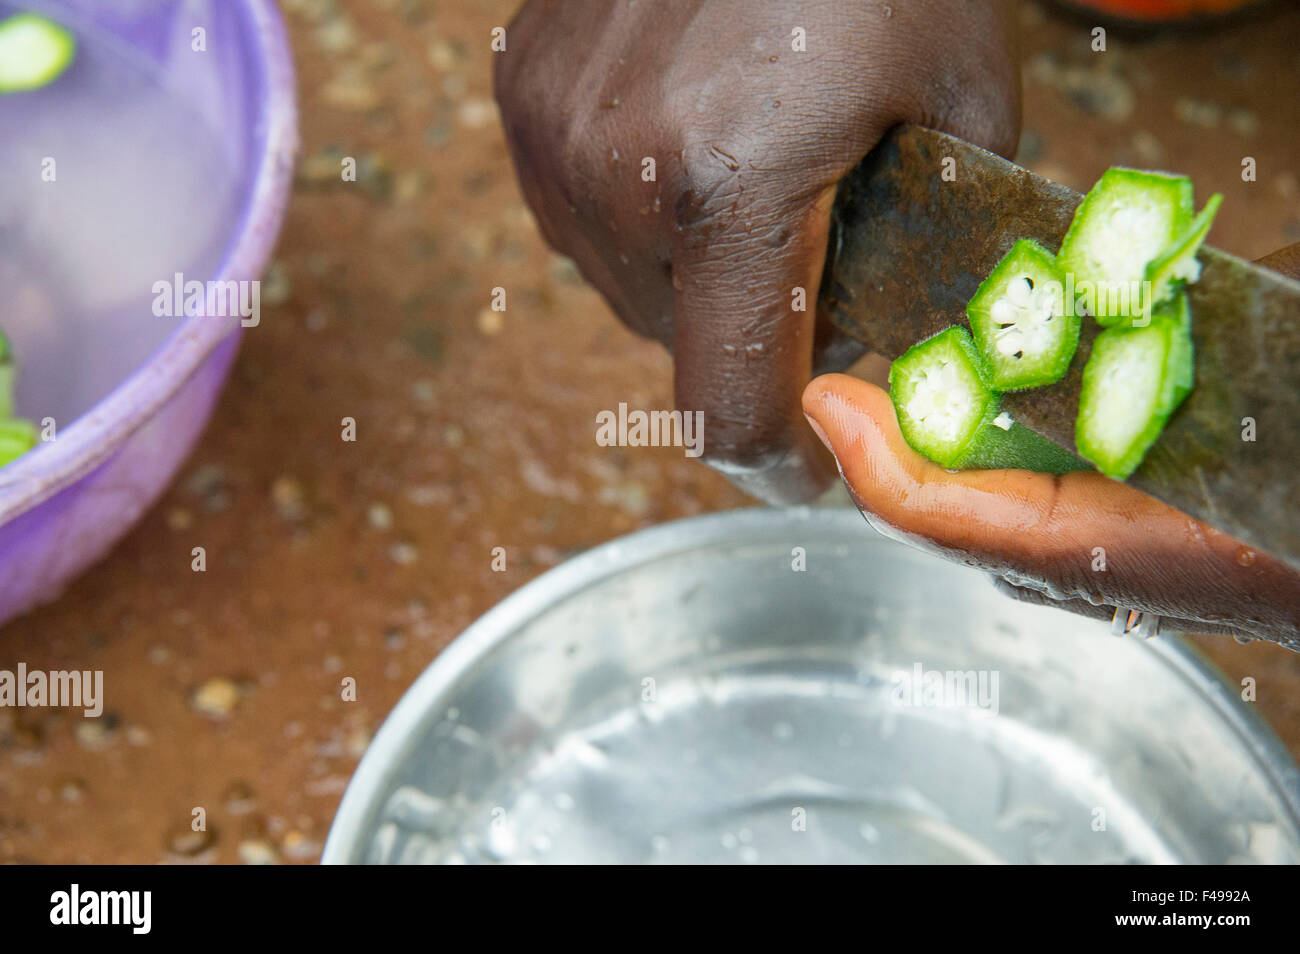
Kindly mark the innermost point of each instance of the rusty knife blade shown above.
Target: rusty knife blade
(909, 246)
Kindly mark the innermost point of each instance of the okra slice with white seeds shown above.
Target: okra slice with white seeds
(1128, 220)
(940, 397)
(1021, 321)
(34, 51)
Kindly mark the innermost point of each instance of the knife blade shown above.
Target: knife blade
(926, 216)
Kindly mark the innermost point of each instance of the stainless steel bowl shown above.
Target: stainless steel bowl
(690, 694)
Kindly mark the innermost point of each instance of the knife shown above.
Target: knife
(926, 216)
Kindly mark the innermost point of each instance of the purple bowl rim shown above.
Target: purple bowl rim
(101, 431)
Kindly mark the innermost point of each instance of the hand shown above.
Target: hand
(1038, 533)
(749, 139)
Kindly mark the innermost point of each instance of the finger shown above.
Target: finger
(1077, 536)
(742, 351)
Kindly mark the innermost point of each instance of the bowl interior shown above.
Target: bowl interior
(133, 166)
(769, 686)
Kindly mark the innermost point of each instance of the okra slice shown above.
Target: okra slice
(940, 397)
(1135, 378)
(1182, 353)
(1020, 321)
(1179, 263)
(17, 437)
(1127, 220)
(34, 51)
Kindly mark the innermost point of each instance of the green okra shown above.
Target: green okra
(1179, 265)
(17, 437)
(1020, 321)
(1126, 222)
(34, 52)
(1134, 380)
(948, 414)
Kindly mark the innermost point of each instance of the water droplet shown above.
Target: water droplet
(1245, 557)
(886, 11)
(1243, 640)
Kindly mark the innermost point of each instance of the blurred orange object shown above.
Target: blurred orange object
(1164, 11)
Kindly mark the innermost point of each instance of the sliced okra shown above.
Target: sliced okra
(1020, 321)
(17, 437)
(950, 416)
(1128, 220)
(1179, 264)
(1135, 378)
(940, 396)
(34, 51)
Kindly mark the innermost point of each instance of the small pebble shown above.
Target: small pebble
(239, 797)
(256, 851)
(1198, 112)
(379, 516)
(289, 499)
(97, 733)
(188, 843)
(276, 287)
(215, 698)
(351, 92)
(208, 482)
(336, 35)
(423, 391)
(72, 791)
(1243, 122)
(477, 113)
(298, 846)
(403, 554)
(443, 55)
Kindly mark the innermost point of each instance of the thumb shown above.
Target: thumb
(744, 322)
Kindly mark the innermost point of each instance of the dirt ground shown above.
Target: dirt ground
(331, 559)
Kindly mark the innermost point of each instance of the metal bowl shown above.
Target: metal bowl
(690, 694)
(132, 393)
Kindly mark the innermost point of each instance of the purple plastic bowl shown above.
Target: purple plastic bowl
(64, 504)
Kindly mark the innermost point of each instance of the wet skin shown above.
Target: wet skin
(1038, 533)
(749, 138)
